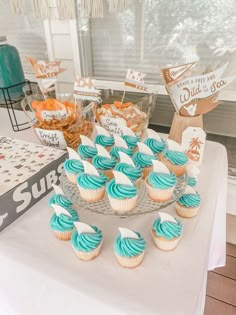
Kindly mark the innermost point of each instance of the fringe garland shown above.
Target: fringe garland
(66, 8)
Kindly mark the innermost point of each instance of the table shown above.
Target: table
(41, 275)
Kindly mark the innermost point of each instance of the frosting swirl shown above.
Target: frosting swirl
(131, 141)
(86, 152)
(63, 222)
(156, 146)
(73, 166)
(190, 200)
(162, 180)
(86, 242)
(132, 172)
(167, 229)
(91, 181)
(176, 157)
(129, 247)
(60, 200)
(191, 181)
(105, 141)
(143, 160)
(115, 152)
(120, 191)
(103, 163)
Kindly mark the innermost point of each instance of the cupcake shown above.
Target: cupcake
(193, 172)
(143, 158)
(120, 146)
(87, 149)
(127, 167)
(60, 199)
(130, 138)
(160, 182)
(73, 166)
(91, 183)
(103, 138)
(103, 161)
(122, 193)
(62, 222)
(154, 142)
(174, 158)
(129, 248)
(188, 205)
(166, 232)
(86, 241)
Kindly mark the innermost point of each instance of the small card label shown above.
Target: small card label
(193, 142)
(54, 114)
(52, 138)
(113, 125)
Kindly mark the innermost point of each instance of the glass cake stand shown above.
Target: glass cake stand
(144, 204)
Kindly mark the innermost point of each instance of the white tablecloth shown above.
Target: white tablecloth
(40, 275)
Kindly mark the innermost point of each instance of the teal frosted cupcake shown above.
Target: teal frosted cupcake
(87, 149)
(120, 146)
(143, 158)
(86, 241)
(174, 158)
(188, 204)
(154, 142)
(160, 182)
(129, 248)
(60, 200)
(122, 193)
(103, 138)
(166, 232)
(91, 183)
(104, 162)
(62, 222)
(72, 169)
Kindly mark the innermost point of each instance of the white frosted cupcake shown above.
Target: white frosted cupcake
(129, 248)
(188, 204)
(166, 232)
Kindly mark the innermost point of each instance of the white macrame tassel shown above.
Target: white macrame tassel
(17, 7)
(97, 8)
(115, 5)
(66, 9)
(40, 9)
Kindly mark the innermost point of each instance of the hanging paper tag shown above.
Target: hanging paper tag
(51, 138)
(83, 228)
(113, 125)
(135, 80)
(193, 142)
(44, 69)
(126, 233)
(54, 114)
(84, 89)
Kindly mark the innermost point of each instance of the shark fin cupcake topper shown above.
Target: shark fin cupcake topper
(124, 158)
(126, 233)
(102, 131)
(122, 179)
(86, 141)
(102, 151)
(83, 228)
(60, 210)
(58, 190)
(193, 171)
(189, 190)
(153, 134)
(119, 142)
(143, 148)
(89, 169)
(174, 146)
(166, 217)
(159, 167)
(127, 131)
(73, 155)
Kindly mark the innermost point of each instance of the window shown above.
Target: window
(25, 33)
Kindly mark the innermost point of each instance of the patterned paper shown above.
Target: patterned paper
(135, 79)
(45, 69)
(19, 160)
(84, 89)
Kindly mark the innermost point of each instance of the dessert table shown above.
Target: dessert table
(41, 275)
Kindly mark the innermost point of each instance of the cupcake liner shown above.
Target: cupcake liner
(178, 170)
(64, 236)
(131, 262)
(71, 177)
(146, 171)
(159, 195)
(138, 182)
(108, 173)
(123, 205)
(91, 195)
(164, 244)
(186, 212)
(87, 256)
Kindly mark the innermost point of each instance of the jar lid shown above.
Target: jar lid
(3, 38)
